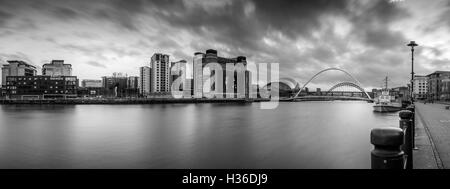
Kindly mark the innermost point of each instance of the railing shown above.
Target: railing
(393, 147)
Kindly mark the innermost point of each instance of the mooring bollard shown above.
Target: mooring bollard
(406, 125)
(387, 153)
(413, 128)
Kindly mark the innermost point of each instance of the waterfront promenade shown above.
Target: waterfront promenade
(432, 136)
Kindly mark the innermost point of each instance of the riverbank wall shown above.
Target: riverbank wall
(129, 101)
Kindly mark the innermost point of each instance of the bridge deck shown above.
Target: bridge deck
(330, 98)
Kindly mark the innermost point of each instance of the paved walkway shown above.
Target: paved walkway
(432, 136)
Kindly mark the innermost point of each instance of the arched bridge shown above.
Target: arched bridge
(332, 93)
(346, 85)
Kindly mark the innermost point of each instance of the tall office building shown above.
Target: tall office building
(17, 68)
(57, 68)
(144, 80)
(160, 74)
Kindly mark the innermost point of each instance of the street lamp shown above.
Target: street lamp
(412, 44)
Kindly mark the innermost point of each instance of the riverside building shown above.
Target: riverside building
(235, 80)
(420, 87)
(160, 73)
(17, 68)
(438, 83)
(144, 83)
(93, 83)
(41, 87)
(57, 68)
(115, 85)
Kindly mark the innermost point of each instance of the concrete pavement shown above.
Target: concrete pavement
(432, 136)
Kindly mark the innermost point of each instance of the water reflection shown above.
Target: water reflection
(295, 135)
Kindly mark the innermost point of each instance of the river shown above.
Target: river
(294, 135)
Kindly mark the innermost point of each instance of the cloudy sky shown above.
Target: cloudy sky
(366, 38)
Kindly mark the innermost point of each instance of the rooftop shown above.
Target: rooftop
(439, 72)
(56, 62)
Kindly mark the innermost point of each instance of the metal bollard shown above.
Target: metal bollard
(387, 153)
(406, 125)
(413, 128)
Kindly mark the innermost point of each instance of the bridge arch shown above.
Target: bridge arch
(349, 84)
(329, 69)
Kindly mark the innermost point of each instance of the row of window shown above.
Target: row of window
(46, 92)
(41, 78)
(35, 83)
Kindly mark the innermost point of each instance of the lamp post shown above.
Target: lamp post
(412, 44)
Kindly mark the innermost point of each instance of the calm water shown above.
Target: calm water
(295, 135)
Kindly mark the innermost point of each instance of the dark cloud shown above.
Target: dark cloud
(441, 21)
(299, 34)
(323, 53)
(124, 20)
(64, 13)
(121, 12)
(383, 38)
(294, 18)
(4, 16)
(229, 25)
